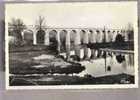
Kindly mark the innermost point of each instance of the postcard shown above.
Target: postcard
(71, 45)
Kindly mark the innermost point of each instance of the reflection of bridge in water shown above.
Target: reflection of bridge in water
(93, 38)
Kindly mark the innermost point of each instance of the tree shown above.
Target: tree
(119, 38)
(16, 26)
(40, 23)
(130, 31)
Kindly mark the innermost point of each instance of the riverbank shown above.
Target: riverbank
(70, 80)
(44, 67)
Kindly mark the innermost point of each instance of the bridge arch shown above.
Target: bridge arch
(110, 36)
(40, 37)
(82, 34)
(53, 36)
(73, 36)
(91, 36)
(28, 36)
(98, 36)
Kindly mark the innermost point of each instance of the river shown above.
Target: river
(97, 68)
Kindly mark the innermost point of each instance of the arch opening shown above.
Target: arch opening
(82, 34)
(72, 36)
(52, 37)
(91, 36)
(40, 37)
(63, 39)
(28, 37)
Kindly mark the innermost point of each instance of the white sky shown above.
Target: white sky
(97, 14)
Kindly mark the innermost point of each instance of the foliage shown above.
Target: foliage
(119, 38)
(120, 58)
(15, 27)
(130, 31)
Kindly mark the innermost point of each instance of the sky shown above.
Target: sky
(97, 14)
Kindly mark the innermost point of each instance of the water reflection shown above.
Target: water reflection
(110, 65)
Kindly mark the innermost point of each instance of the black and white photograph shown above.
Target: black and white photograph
(71, 45)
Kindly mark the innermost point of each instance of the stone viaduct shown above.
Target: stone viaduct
(77, 36)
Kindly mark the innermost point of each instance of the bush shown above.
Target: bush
(120, 58)
(119, 38)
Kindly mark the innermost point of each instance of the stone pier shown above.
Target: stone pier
(46, 40)
(77, 43)
(58, 42)
(67, 43)
(85, 42)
